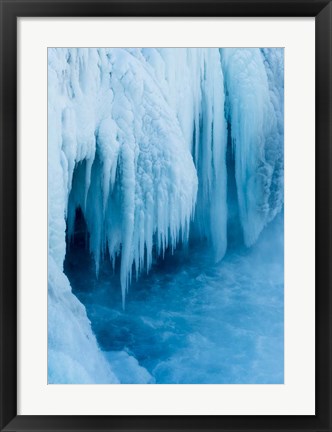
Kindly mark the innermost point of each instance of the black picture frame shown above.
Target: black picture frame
(12, 9)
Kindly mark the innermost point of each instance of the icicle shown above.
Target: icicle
(140, 137)
(134, 180)
(254, 130)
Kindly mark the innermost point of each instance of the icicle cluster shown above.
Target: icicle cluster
(138, 139)
(254, 107)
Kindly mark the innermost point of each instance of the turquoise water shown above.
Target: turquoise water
(193, 321)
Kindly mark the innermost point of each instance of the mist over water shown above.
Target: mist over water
(190, 320)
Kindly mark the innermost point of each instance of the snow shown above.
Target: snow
(128, 369)
(73, 353)
(137, 139)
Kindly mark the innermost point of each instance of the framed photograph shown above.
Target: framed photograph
(165, 215)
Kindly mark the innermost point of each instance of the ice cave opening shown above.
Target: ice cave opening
(80, 236)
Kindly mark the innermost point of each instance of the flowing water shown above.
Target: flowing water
(190, 320)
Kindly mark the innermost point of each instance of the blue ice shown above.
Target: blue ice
(165, 199)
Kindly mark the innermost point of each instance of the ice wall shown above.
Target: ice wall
(254, 108)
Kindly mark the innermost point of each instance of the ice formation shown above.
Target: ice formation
(73, 353)
(137, 141)
(254, 111)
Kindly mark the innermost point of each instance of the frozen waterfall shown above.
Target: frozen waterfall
(137, 143)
